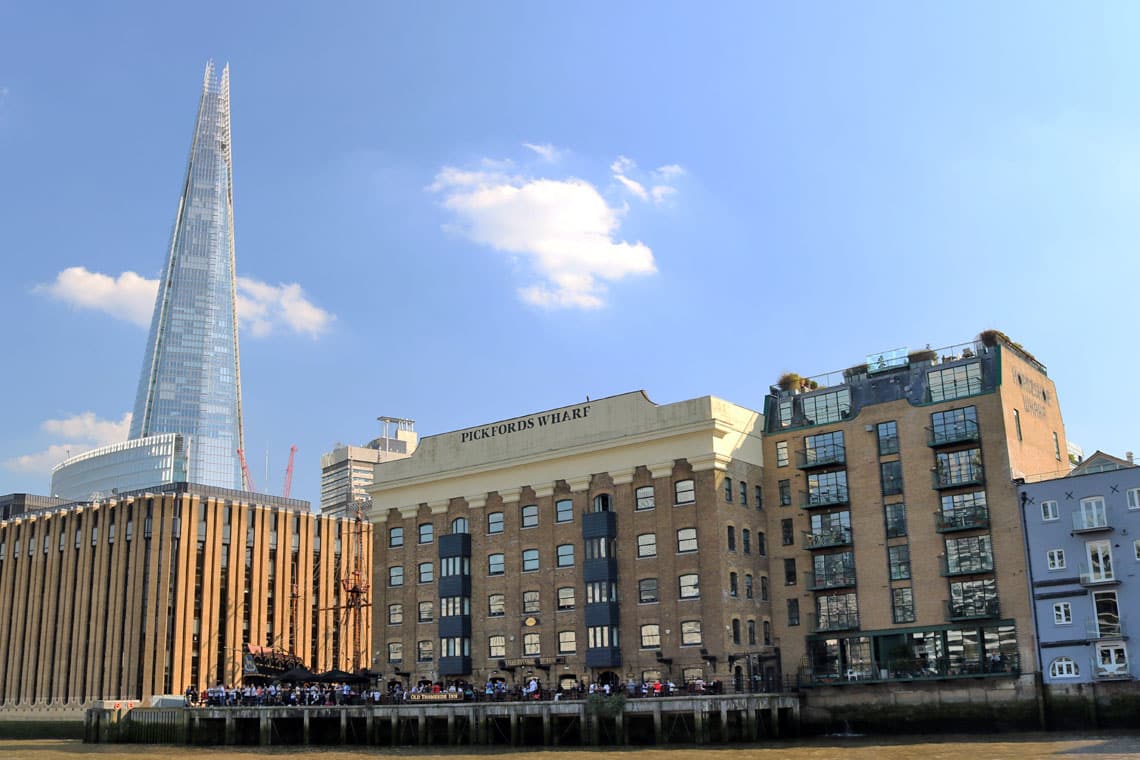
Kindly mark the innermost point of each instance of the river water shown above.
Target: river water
(998, 747)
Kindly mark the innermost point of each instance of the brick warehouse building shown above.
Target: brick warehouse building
(897, 548)
(591, 542)
(149, 593)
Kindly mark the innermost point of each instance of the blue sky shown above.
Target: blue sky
(462, 212)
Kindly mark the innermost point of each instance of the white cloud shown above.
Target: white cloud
(633, 186)
(622, 167)
(82, 432)
(262, 308)
(547, 151)
(563, 227)
(668, 171)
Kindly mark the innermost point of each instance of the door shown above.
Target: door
(1100, 561)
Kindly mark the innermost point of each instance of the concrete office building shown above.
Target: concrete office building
(592, 542)
(897, 550)
(1083, 533)
(347, 471)
(148, 593)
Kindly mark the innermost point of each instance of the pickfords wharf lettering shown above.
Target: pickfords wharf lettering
(525, 423)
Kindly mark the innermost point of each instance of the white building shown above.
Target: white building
(347, 471)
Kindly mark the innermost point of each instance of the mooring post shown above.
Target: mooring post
(305, 737)
(547, 733)
(394, 727)
(264, 733)
(514, 728)
(421, 726)
(231, 730)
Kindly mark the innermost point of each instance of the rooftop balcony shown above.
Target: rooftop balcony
(965, 518)
(821, 456)
(966, 566)
(957, 477)
(949, 434)
(973, 609)
(827, 539)
(1100, 576)
(831, 579)
(1091, 522)
(824, 497)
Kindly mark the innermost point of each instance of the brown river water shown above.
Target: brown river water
(999, 747)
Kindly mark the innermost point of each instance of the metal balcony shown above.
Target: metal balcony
(966, 566)
(956, 477)
(963, 431)
(966, 518)
(825, 497)
(844, 621)
(832, 579)
(973, 609)
(1091, 522)
(821, 456)
(827, 539)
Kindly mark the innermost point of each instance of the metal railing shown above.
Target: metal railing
(963, 518)
(821, 456)
(825, 539)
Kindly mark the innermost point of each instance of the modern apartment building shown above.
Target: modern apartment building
(149, 593)
(604, 541)
(347, 471)
(897, 550)
(1083, 533)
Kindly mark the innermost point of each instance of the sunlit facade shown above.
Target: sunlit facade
(190, 382)
(156, 460)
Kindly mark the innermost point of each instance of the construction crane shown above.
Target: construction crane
(355, 586)
(289, 473)
(247, 481)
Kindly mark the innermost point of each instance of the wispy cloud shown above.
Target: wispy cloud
(660, 180)
(262, 308)
(563, 227)
(80, 433)
(547, 151)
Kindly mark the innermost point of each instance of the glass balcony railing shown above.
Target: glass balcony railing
(1098, 575)
(968, 565)
(916, 669)
(826, 539)
(1091, 522)
(824, 497)
(973, 609)
(830, 579)
(1105, 628)
(821, 456)
(954, 477)
(946, 434)
(840, 621)
(964, 518)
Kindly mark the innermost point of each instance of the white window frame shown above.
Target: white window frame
(1055, 559)
(1049, 511)
(1133, 496)
(1062, 613)
(1063, 667)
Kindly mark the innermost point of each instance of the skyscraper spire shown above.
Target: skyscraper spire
(191, 378)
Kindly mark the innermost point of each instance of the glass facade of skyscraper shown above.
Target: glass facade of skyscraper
(190, 381)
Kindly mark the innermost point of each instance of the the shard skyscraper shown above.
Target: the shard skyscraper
(191, 378)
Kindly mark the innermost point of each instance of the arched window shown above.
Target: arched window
(460, 525)
(1064, 667)
(736, 630)
(602, 502)
(731, 538)
(767, 634)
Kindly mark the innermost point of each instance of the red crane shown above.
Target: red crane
(246, 479)
(289, 472)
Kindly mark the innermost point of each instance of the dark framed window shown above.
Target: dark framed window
(888, 435)
(686, 540)
(426, 572)
(496, 564)
(650, 636)
(565, 557)
(782, 454)
(785, 493)
(647, 545)
(689, 586)
(793, 612)
(529, 560)
(736, 630)
(955, 425)
(746, 540)
(566, 598)
(747, 586)
(395, 537)
(691, 633)
(891, 475)
(895, 517)
(425, 612)
(761, 543)
(423, 651)
(532, 644)
(758, 497)
(752, 632)
(763, 588)
(790, 571)
(684, 492)
(787, 532)
(494, 522)
(731, 531)
(395, 614)
(898, 559)
(530, 602)
(645, 498)
(902, 605)
(743, 494)
(728, 489)
(396, 576)
(496, 605)
(497, 646)
(733, 585)
(567, 642)
(395, 651)
(427, 532)
(647, 590)
(530, 516)
(460, 526)
(564, 511)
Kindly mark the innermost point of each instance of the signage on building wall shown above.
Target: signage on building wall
(1033, 396)
(525, 423)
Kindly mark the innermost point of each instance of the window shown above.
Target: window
(650, 636)
(746, 540)
(758, 497)
(601, 636)
(647, 590)
(425, 612)
(969, 555)
(452, 566)
(1093, 513)
(752, 632)
(747, 586)
(895, 518)
(763, 588)
(454, 606)
(782, 454)
(567, 642)
(956, 468)
(564, 511)
(689, 586)
(395, 614)
(824, 408)
(426, 571)
(529, 560)
(891, 475)
(460, 525)
(684, 492)
(743, 494)
(888, 433)
(955, 425)
(732, 585)
(736, 630)
(728, 489)
(1049, 511)
(645, 498)
(426, 534)
(530, 603)
(955, 382)
(494, 522)
(602, 502)
(566, 598)
(1133, 498)
(790, 571)
(395, 537)
(787, 532)
(902, 605)
(565, 555)
(530, 516)
(785, 493)
(1099, 555)
(1063, 667)
(532, 645)
(1062, 613)
(827, 488)
(396, 575)
(1056, 447)
(1017, 423)
(687, 540)
(497, 646)
(761, 544)
(395, 651)
(690, 633)
(898, 559)
(647, 545)
(495, 564)
(1136, 548)
(496, 605)
(600, 592)
(793, 612)
(731, 531)
(1055, 559)
(423, 651)
(824, 448)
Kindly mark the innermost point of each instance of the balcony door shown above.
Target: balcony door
(1093, 514)
(1100, 561)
